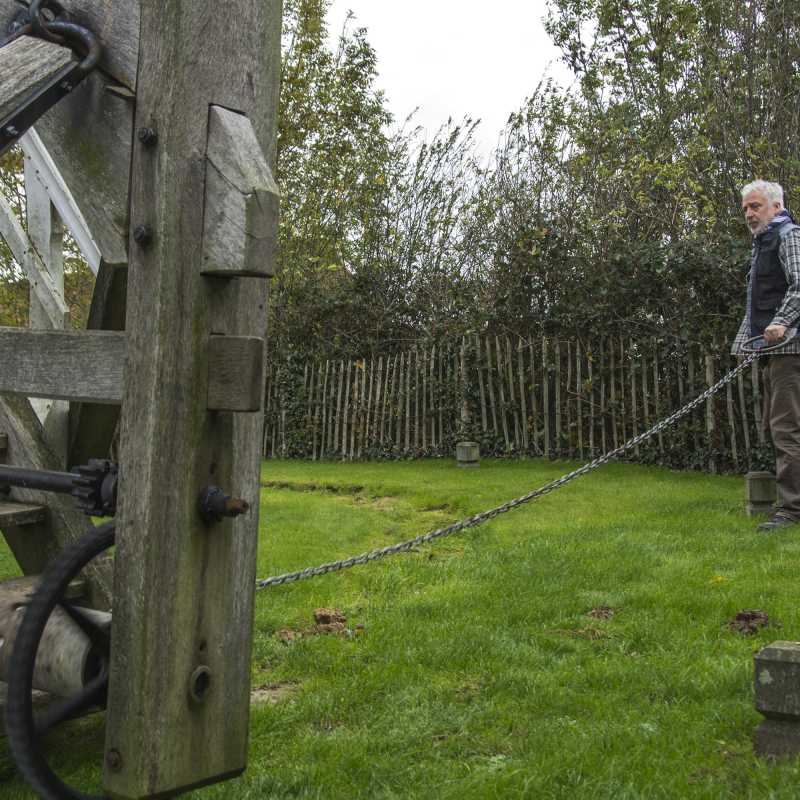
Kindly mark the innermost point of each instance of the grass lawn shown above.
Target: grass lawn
(479, 672)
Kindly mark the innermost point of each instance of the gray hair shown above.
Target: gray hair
(772, 191)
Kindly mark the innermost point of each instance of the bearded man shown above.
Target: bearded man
(773, 306)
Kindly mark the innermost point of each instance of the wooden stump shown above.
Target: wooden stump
(468, 454)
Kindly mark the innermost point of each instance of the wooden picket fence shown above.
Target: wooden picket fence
(541, 397)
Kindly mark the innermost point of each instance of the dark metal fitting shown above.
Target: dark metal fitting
(114, 760)
(95, 491)
(214, 505)
(143, 235)
(200, 684)
(147, 136)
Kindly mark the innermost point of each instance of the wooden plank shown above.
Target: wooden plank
(47, 235)
(367, 421)
(114, 22)
(198, 607)
(755, 379)
(711, 416)
(67, 365)
(501, 390)
(534, 401)
(590, 368)
(39, 166)
(346, 409)
(522, 399)
(603, 409)
(557, 394)
(545, 398)
(568, 403)
(657, 393)
(635, 425)
(40, 280)
(512, 400)
(16, 514)
(432, 389)
(579, 395)
(732, 424)
(442, 395)
(27, 66)
(93, 426)
(743, 414)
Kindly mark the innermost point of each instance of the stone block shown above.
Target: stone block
(760, 492)
(777, 697)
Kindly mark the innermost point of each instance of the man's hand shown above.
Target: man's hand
(774, 333)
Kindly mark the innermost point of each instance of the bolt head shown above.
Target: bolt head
(143, 235)
(147, 136)
(114, 760)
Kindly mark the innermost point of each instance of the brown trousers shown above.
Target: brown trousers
(781, 415)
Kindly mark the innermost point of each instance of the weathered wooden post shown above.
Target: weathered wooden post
(467, 452)
(203, 224)
(160, 162)
(777, 693)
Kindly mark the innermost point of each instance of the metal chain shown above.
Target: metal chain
(478, 519)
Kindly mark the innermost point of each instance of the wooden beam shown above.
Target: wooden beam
(114, 22)
(66, 365)
(41, 167)
(198, 605)
(26, 531)
(39, 278)
(241, 208)
(93, 426)
(27, 66)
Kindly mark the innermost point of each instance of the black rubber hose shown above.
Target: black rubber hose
(21, 729)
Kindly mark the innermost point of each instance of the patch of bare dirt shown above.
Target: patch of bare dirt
(326, 620)
(272, 693)
(327, 488)
(601, 612)
(751, 622)
(590, 633)
(384, 503)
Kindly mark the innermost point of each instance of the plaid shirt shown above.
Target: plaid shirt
(789, 312)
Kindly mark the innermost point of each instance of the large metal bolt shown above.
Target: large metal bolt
(214, 505)
(143, 235)
(114, 760)
(147, 136)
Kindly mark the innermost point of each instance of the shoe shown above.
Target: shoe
(777, 520)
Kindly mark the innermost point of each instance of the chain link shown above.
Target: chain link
(485, 516)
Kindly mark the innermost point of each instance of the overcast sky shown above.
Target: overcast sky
(456, 57)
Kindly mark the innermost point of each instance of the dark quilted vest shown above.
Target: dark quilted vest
(768, 280)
